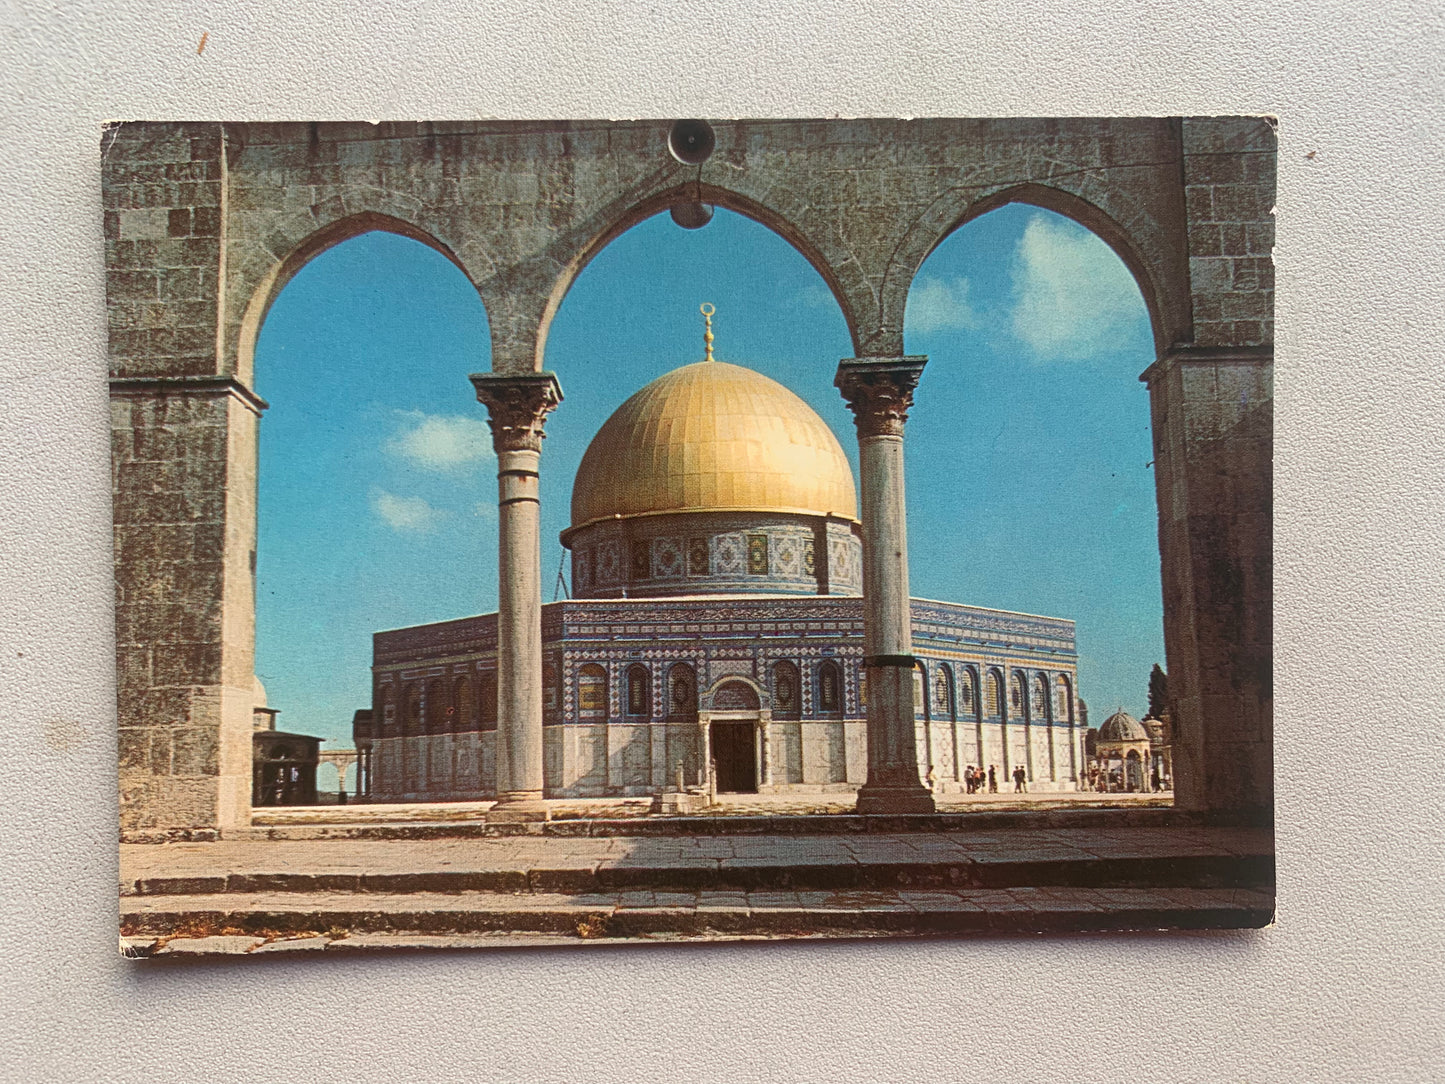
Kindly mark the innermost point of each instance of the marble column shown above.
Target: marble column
(518, 405)
(879, 391)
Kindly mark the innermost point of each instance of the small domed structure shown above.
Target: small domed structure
(1123, 727)
(1123, 741)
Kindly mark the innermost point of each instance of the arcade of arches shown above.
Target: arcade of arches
(205, 223)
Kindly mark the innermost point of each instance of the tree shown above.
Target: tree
(1158, 692)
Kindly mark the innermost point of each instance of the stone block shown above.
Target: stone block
(138, 224)
(133, 747)
(1209, 275)
(195, 751)
(124, 285)
(1205, 240)
(1234, 239)
(1213, 169)
(1241, 203)
(187, 664)
(1253, 274)
(1199, 203)
(1228, 135)
(1258, 305)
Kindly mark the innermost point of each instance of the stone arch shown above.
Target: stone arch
(957, 207)
(734, 692)
(305, 249)
(850, 289)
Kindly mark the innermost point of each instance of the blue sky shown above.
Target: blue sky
(1027, 450)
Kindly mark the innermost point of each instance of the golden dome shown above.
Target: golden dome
(713, 437)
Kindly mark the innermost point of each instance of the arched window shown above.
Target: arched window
(411, 720)
(1016, 693)
(488, 699)
(437, 703)
(943, 691)
(1062, 698)
(967, 690)
(592, 692)
(385, 715)
(830, 687)
(681, 692)
(639, 691)
(786, 699)
(1039, 702)
(993, 699)
(464, 708)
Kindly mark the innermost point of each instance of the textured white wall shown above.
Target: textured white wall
(1347, 987)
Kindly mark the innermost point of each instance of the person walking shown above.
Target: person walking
(1020, 780)
(992, 780)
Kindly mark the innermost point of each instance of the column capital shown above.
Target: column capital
(518, 405)
(879, 391)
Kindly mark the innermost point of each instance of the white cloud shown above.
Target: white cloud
(441, 441)
(405, 513)
(1073, 297)
(941, 305)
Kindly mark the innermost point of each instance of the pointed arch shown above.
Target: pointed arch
(959, 206)
(302, 252)
(847, 283)
(734, 692)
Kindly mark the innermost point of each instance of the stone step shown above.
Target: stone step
(785, 868)
(308, 825)
(316, 921)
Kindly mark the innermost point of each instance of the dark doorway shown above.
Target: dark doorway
(734, 753)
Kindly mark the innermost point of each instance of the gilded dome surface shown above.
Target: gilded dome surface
(713, 437)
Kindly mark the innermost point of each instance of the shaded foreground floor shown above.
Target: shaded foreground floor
(334, 894)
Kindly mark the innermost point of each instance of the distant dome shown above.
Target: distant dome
(1121, 726)
(713, 437)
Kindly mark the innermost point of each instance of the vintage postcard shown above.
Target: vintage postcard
(561, 532)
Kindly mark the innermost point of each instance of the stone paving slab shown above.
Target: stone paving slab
(305, 922)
